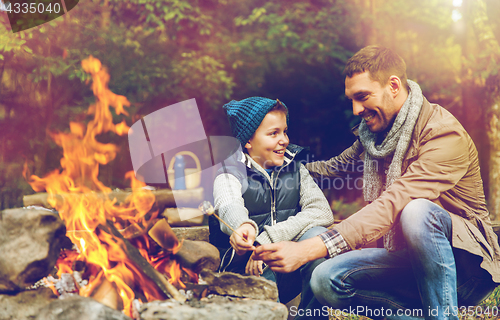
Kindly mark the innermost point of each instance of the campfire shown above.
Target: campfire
(92, 218)
(122, 252)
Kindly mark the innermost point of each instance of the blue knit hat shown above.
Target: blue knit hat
(246, 115)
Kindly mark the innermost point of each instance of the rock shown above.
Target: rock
(30, 242)
(192, 233)
(79, 308)
(237, 285)
(25, 305)
(198, 255)
(220, 308)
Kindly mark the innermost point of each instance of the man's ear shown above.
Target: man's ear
(395, 85)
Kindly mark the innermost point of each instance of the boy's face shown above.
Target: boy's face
(268, 144)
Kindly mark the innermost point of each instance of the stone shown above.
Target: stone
(79, 308)
(192, 233)
(198, 255)
(30, 243)
(237, 285)
(26, 304)
(220, 308)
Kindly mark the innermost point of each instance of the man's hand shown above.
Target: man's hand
(283, 256)
(288, 256)
(239, 245)
(254, 267)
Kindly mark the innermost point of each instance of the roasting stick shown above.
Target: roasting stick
(207, 208)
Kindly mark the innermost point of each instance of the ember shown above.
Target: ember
(89, 217)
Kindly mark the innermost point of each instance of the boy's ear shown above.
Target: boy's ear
(248, 145)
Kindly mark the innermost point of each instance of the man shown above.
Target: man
(422, 181)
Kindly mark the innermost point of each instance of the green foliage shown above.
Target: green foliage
(160, 52)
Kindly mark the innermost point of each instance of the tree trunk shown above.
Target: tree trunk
(494, 162)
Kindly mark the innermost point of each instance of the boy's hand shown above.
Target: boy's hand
(254, 267)
(239, 245)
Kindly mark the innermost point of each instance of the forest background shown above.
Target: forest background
(160, 52)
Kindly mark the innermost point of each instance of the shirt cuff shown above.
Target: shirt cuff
(334, 242)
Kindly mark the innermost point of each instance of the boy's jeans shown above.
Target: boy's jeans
(291, 284)
(420, 281)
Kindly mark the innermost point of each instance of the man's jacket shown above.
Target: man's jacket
(441, 165)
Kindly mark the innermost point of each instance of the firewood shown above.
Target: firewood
(162, 234)
(198, 255)
(143, 265)
(164, 198)
(107, 294)
(192, 233)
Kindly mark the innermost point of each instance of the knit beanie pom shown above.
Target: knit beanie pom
(246, 115)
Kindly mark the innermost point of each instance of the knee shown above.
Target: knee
(320, 283)
(415, 212)
(420, 215)
(313, 232)
(327, 285)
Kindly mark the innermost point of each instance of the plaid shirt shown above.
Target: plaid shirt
(334, 242)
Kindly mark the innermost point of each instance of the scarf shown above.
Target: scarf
(396, 143)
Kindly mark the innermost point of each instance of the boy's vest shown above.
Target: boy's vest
(268, 202)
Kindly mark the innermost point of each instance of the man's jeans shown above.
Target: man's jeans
(419, 281)
(291, 284)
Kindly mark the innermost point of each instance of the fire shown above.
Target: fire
(82, 201)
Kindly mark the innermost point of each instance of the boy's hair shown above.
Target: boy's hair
(246, 115)
(380, 62)
(279, 107)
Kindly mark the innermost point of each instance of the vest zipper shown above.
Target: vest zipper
(273, 200)
(273, 195)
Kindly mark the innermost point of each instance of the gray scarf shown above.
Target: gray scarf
(396, 143)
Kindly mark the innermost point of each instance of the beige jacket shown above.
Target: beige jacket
(441, 165)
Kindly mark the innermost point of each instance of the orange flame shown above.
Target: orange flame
(81, 198)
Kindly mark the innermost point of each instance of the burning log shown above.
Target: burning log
(143, 265)
(190, 217)
(107, 294)
(194, 255)
(198, 255)
(164, 198)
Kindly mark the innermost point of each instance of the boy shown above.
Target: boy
(276, 200)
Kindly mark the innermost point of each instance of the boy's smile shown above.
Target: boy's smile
(268, 144)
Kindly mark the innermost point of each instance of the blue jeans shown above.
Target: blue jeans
(428, 279)
(288, 283)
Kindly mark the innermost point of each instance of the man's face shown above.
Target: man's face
(371, 101)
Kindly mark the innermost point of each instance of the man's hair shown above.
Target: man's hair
(380, 62)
